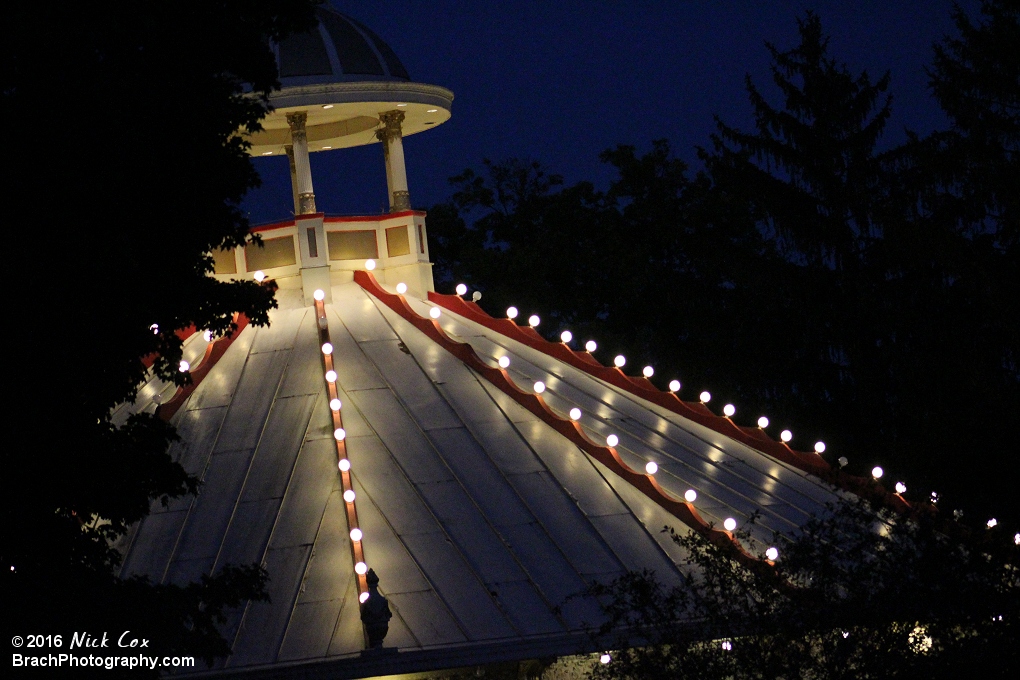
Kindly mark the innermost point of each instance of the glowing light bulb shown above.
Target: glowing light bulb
(605, 658)
(819, 447)
(705, 397)
(901, 487)
(992, 523)
(327, 348)
(260, 276)
(566, 336)
(690, 495)
(533, 320)
(934, 497)
(620, 361)
(331, 376)
(843, 461)
(511, 312)
(539, 387)
(349, 495)
(612, 440)
(648, 371)
(877, 472)
(369, 265)
(575, 413)
(334, 404)
(786, 436)
(727, 645)
(590, 346)
(763, 422)
(319, 294)
(363, 598)
(1016, 541)
(772, 554)
(401, 288)
(356, 534)
(339, 434)
(651, 467)
(461, 289)
(434, 312)
(361, 568)
(504, 361)
(730, 524)
(674, 385)
(154, 328)
(207, 336)
(184, 366)
(728, 410)
(344, 465)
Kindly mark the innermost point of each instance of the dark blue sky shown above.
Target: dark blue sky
(561, 81)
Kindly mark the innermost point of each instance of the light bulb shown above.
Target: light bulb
(511, 312)
(334, 404)
(434, 312)
(772, 554)
(344, 465)
(819, 447)
(575, 413)
(786, 436)
(605, 658)
(620, 361)
(401, 288)
(843, 461)
(363, 598)
(648, 371)
(901, 488)
(1016, 539)
(728, 410)
(154, 328)
(260, 276)
(356, 534)
(369, 265)
(612, 440)
(339, 434)
(705, 397)
(319, 294)
(991, 524)
(461, 289)
(533, 320)
(331, 376)
(184, 366)
(539, 387)
(327, 348)
(690, 495)
(349, 495)
(504, 361)
(763, 422)
(651, 467)
(877, 472)
(730, 524)
(207, 336)
(566, 336)
(590, 346)
(674, 385)
(361, 568)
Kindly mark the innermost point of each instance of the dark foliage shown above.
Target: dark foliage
(123, 172)
(858, 594)
(860, 295)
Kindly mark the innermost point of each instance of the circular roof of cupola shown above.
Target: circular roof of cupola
(344, 76)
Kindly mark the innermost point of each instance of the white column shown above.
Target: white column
(293, 178)
(393, 154)
(302, 168)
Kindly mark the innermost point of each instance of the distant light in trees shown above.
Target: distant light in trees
(605, 658)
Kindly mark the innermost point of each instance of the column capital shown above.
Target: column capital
(391, 121)
(297, 120)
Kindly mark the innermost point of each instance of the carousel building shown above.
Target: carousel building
(430, 488)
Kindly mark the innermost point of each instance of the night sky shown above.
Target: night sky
(559, 82)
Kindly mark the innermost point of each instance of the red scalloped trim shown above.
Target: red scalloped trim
(213, 352)
(754, 437)
(534, 403)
